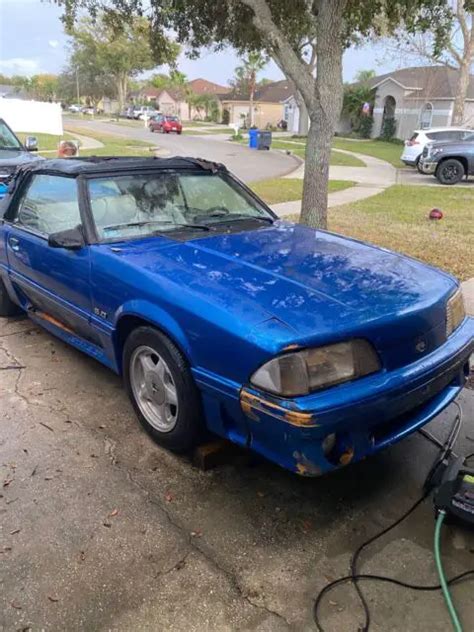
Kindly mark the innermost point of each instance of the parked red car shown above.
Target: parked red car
(165, 124)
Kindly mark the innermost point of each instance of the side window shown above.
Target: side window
(49, 205)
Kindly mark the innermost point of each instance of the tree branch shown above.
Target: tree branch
(294, 67)
(461, 15)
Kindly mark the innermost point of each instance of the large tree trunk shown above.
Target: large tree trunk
(323, 96)
(461, 92)
(122, 82)
(323, 114)
(467, 30)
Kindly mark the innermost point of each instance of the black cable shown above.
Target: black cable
(355, 556)
(380, 578)
(446, 449)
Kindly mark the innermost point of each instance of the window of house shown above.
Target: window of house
(426, 116)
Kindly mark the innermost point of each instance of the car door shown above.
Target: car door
(53, 281)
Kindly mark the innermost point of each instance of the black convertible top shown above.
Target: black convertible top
(105, 164)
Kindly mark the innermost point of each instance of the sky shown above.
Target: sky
(32, 41)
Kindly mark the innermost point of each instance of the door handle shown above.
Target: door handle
(14, 243)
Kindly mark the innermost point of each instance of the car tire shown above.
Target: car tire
(178, 133)
(7, 306)
(175, 426)
(450, 171)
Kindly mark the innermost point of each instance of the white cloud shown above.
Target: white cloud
(53, 43)
(19, 66)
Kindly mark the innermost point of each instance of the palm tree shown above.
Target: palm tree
(252, 65)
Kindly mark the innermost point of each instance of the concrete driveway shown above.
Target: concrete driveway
(103, 530)
(247, 165)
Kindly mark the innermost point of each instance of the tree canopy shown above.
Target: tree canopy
(301, 36)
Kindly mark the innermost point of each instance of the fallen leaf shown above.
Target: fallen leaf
(48, 478)
(333, 603)
(196, 534)
(169, 497)
(7, 482)
(82, 556)
(113, 513)
(107, 524)
(181, 564)
(34, 470)
(15, 531)
(53, 599)
(102, 426)
(261, 494)
(15, 605)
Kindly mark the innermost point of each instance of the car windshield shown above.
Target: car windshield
(172, 119)
(143, 204)
(469, 137)
(8, 140)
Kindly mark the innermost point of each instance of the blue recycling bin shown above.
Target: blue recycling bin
(253, 138)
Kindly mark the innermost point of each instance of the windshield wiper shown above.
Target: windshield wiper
(10, 148)
(158, 222)
(241, 218)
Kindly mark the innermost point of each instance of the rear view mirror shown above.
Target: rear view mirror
(71, 239)
(31, 143)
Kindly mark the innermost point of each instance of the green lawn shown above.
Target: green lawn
(113, 145)
(390, 152)
(195, 131)
(337, 158)
(298, 148)
(398, 219)
(275, 190)
(45, 141)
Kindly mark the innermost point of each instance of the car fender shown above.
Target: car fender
(155, 316)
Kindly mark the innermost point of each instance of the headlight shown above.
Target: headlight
(436, 150)
(455, 312)
(310, 370)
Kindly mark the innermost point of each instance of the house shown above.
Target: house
(268, 104)
(418, 97)
(175, 100)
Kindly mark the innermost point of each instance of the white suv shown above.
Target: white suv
(414, 146)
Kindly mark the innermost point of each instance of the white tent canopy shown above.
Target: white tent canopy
(32, 116)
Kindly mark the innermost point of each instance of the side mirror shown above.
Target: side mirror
(31, 143)
(71, 239)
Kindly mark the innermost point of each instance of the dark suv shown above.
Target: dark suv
(449, 161)
(13, 152)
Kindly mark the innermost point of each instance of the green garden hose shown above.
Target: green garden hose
(442, 579)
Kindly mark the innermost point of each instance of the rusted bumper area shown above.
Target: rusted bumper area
(317, 433)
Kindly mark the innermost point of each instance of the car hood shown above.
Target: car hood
(320, 285)
(14, 158)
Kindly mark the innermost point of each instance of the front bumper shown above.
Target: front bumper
(427, 166)
(365, 416)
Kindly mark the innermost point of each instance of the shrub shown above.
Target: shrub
(365, 126)
(389, 129)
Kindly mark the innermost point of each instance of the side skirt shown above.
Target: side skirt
(63, 332)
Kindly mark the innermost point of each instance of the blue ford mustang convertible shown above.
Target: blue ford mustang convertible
(310, 348)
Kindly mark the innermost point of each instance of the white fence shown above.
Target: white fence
(32, 116)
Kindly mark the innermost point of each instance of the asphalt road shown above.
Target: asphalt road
(103, 530)
(247, 165)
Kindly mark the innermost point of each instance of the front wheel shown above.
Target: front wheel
(162, 390)
(450, 171)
